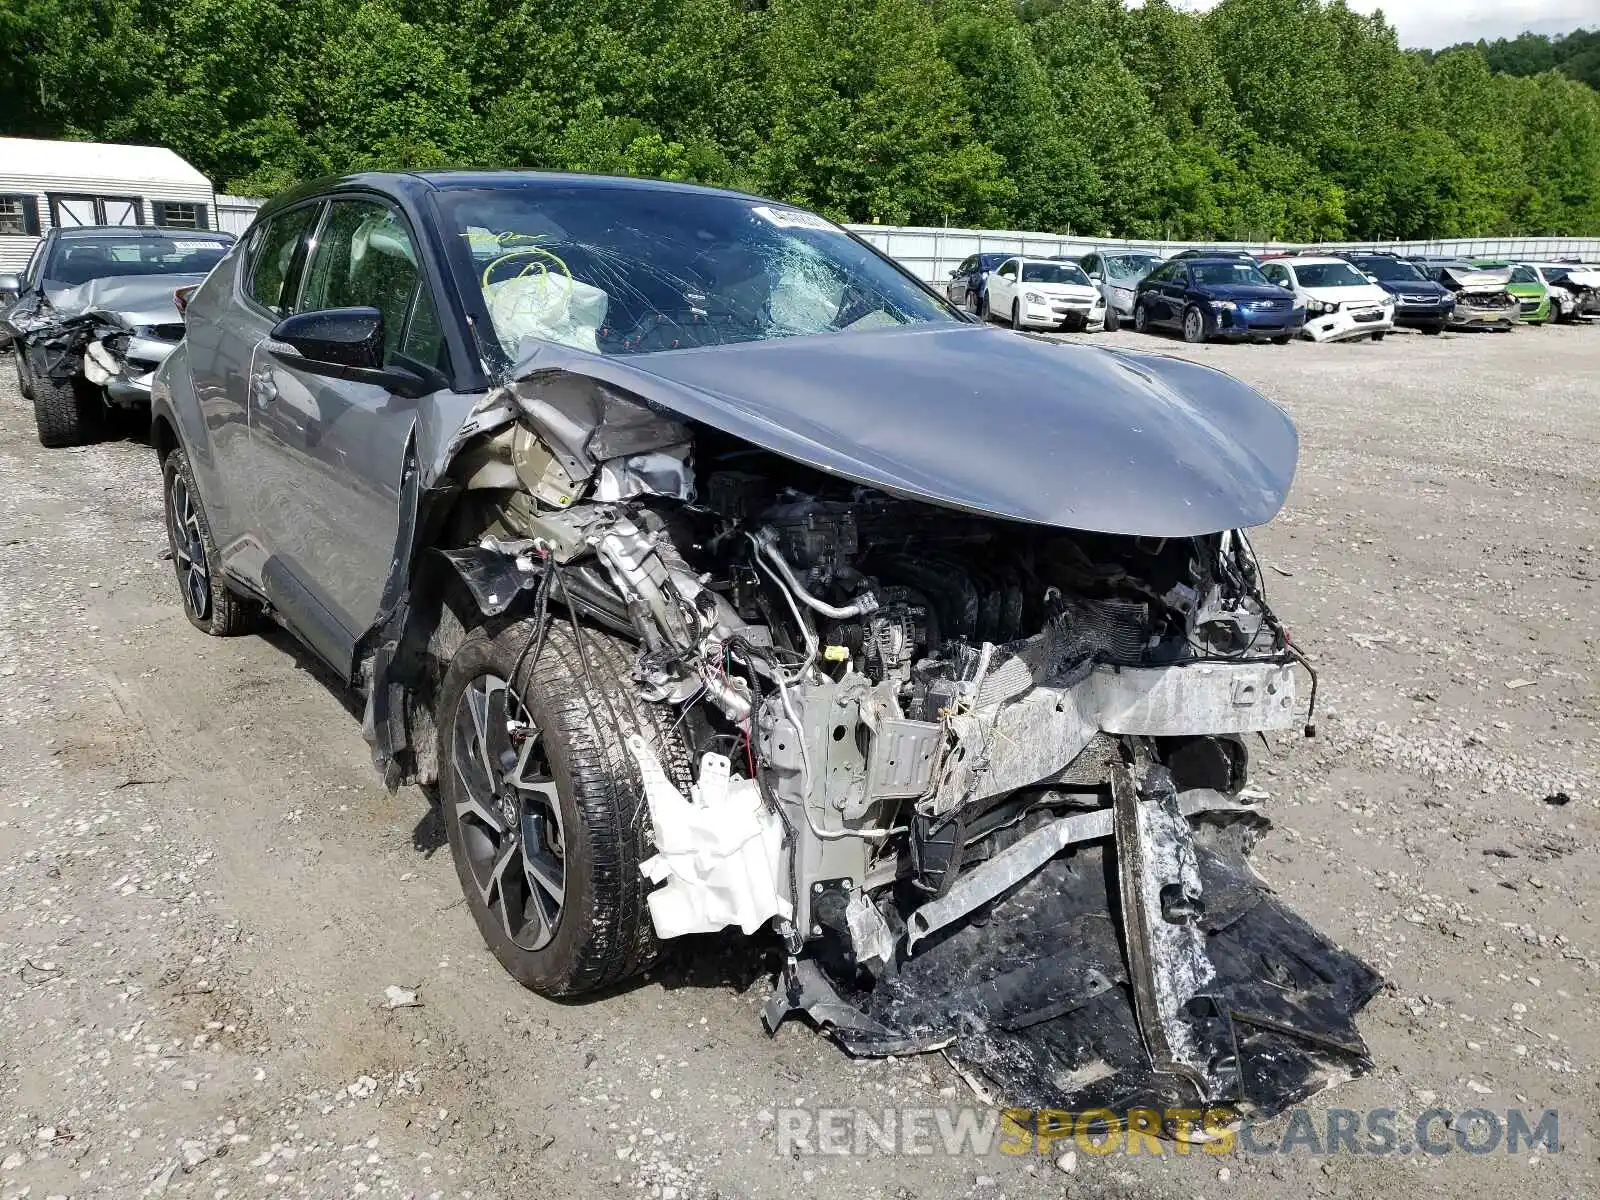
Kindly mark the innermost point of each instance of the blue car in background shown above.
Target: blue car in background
(967, 281)
(1419, 302)
(1216, 296)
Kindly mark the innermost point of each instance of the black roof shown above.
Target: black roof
(412, 185)
(123, 231)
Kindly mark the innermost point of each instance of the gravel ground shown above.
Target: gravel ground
(206, 892)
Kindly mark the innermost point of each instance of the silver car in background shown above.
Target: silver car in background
(1117, 274)
(95, 313)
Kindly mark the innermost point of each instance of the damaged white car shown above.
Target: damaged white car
(1341, 303)
(714, 573)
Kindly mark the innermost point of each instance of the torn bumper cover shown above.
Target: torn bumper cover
(1350, 321)
(1145, 967)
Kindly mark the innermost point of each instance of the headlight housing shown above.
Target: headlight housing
(1223, 305)
(1033, 297)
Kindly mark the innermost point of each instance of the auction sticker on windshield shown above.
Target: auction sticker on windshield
(793, 218)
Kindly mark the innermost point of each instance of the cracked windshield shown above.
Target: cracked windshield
(629, 271)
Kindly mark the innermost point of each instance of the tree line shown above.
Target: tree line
(1576, 55)
(1294, 119)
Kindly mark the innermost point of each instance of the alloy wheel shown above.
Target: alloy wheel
(509, 812)
(1141, 319)
(188, 549)
(1194, 325)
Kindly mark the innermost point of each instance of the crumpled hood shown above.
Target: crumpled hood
(1476, 279)
(137, 299)
(1353, 293)
(984, 420)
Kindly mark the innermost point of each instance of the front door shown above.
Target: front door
(330, 511)
(253, 289)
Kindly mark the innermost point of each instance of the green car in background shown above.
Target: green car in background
(1532, 295)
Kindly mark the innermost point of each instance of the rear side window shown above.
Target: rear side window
(274, 277)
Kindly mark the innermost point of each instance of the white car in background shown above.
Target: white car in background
(1043, 293)
(1574, 289)
(1341, 303)
(1117, 274)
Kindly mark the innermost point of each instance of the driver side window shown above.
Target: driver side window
(366, 258)
(1009, 269)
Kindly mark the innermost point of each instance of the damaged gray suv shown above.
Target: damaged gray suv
(713, 573)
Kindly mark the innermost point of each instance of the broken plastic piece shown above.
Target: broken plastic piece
(717, 857)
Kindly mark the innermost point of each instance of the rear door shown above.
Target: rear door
(333, 450)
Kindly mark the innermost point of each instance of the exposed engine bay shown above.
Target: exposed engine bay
(986, 780)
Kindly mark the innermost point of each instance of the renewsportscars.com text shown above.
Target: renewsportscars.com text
(975, 1132)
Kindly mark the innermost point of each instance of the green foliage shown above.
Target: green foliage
(1297, 119)
(1576, 55)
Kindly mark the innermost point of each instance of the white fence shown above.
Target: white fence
(932, 253)
(234, 213)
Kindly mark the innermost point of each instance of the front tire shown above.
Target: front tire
(66, 413)
(1141, 318)
(1194, 325)
(1433, 330)
(1016, 314)
(984, 314)
(23, 385)
(1378, 337)
(542, 804)
(207, 601)
(1113, 320)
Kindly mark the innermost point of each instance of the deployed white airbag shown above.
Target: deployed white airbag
(548, 305)
(717, 857)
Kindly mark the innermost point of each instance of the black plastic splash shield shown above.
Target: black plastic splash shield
(1033, 993)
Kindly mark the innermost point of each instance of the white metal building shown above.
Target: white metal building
(46, 184)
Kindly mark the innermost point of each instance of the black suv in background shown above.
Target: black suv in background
(1419, 302)
(967, 281)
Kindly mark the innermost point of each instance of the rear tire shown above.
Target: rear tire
(68, 413)
(983, 308)
(1281, 340)
(1378, 337)
(1194, 326)
(207, 601)
(547, 843)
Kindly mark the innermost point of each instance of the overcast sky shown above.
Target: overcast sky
(1437, 23)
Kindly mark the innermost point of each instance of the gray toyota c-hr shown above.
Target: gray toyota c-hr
(710, 570)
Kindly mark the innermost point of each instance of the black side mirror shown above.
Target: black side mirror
(336, 337)
(346, 343)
